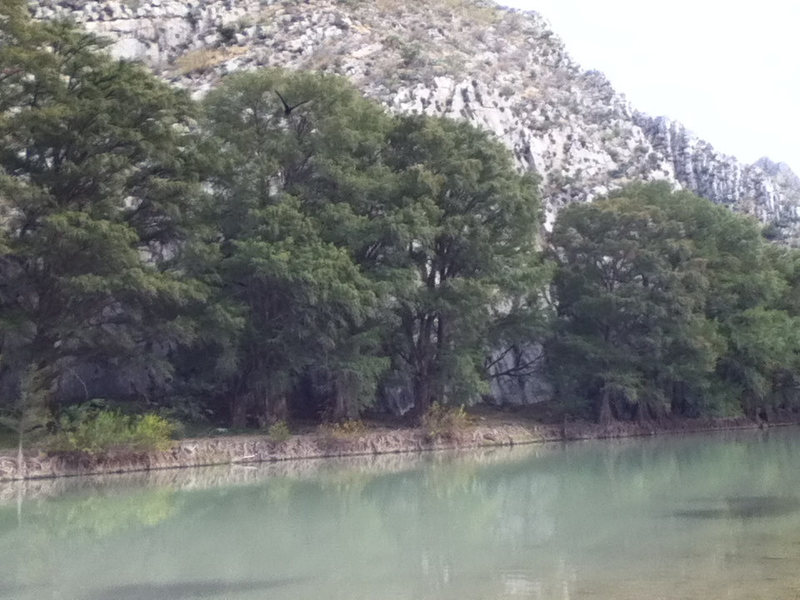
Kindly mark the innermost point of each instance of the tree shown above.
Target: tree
(631, 335)
(670, 304)
(463, 238)
(284, 188)
(763, 354)
(747, 302)
(96, 178)
(430, 228)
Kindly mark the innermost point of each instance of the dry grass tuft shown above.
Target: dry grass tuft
(203, 60)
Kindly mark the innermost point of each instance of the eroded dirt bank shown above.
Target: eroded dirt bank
(254, 449)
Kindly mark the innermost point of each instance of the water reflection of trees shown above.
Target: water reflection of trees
(481, 525)
(100, 516)
(198, 478)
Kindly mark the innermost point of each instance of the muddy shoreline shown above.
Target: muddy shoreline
(257, 449)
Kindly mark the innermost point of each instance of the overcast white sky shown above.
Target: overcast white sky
(727, 69)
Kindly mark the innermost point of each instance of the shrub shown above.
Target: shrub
(99, 431)
(444, 421)
(226, 32)
(152, 432)
(93, 433)
(279, 431)
(410, 53)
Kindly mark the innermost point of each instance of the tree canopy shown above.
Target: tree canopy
(287, 249)
(669, 304)
(96, 180)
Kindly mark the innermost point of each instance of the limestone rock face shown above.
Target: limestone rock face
(502, 69)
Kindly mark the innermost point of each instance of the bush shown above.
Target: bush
(152, 432)
(279, 431)
(444, 421)
(99, 431)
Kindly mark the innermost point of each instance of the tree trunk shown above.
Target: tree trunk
(339, 410)
(604, 416)
(345, 390)
(422, 396)
(342, 401)
(275, 409)
(642, 413)
(238, 411)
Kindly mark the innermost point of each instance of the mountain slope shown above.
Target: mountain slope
(502, 69)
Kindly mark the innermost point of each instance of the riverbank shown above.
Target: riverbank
(502, 431)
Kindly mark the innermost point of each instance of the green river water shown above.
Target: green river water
(701, 516)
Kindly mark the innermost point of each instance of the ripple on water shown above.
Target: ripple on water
(745, 507)
(185, 589)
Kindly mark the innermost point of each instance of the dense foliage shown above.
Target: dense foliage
(670, 304)
(288, 249)
(95, 183)
(246, 260)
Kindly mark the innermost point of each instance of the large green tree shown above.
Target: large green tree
(465, 226)
(289, 194)
(746, 302)
(421, 226)
(670, 304)
(630, 294)
(95, 182)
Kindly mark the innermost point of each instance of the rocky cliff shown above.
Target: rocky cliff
(502, 69)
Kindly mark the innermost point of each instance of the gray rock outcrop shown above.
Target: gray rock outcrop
(503, 69)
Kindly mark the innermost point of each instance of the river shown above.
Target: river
(693, 517)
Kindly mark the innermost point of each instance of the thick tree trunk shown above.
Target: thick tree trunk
(422, 396)
(339, 410)
(276, 409)
(345, 397)
(238, 411)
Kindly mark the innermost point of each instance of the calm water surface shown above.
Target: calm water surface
(696, 517)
